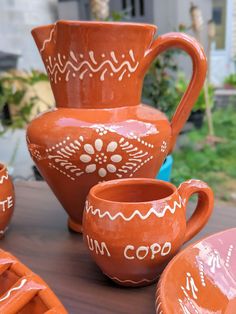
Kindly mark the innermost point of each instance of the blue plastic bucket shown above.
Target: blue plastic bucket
(165, 171)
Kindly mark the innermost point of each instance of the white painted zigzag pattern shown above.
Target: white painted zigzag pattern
(47, 40)
(60, 66)
(96, 211)
(23, 281)
(132, 281)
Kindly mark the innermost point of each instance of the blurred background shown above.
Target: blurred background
(206, 148)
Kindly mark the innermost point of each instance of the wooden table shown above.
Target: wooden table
(38, 236)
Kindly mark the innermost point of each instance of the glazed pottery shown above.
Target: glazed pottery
(132, 227)
(201, 279)
(7, 199)
(99, 130)
(22, 291)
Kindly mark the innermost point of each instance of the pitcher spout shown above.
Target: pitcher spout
(42, 36)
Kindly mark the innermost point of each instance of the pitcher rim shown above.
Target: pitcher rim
(98, 23)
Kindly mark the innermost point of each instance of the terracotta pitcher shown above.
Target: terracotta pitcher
(100, 131)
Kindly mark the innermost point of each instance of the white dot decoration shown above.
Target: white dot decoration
(73, 74)
(103, 55)
(90, 75)
(64, 57)
(81, 55)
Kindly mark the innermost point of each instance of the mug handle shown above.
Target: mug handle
(193, 48)
(204, 206)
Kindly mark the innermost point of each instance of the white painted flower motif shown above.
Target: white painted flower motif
(103, 162)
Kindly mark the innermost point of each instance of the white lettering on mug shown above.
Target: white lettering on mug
(6, 204)
(99, 248)
(155, 248)
(167, 247)
(144, 249)
(128, 247)
(130, 252)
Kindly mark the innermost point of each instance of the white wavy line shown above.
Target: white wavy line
(23, 281)
(47, 40)
(4, 177)
(94, 70)
(97, 211)
(132, 281)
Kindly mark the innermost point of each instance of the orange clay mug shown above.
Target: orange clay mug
(7, 199)
(100, 131)
(133, 227)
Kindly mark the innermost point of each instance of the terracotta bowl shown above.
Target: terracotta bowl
(22, 291)
(201, 279)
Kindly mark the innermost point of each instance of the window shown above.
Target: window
(136, 6)
(219, 17)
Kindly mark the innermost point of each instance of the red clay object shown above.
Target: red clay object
(133, 227)
(7, 199)
(22, 291)
(100, 131)
(201, 279)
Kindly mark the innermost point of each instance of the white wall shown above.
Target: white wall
(17, 18)
(169, 14)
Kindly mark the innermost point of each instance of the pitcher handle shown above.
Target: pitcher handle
(193, 48)
(204, 207)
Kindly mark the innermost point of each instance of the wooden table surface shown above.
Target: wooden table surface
(38, 236)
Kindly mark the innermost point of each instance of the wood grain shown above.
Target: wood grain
(38, 236)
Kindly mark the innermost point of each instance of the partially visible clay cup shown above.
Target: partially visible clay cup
(7, 199)
(133, 227)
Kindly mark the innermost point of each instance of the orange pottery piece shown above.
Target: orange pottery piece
(201, 279)
(22, 291)
(133, 227)
(7, 199)
(100, 131)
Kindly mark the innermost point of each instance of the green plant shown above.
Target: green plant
(13, 88)
(159, 84)
(230, 80)
(215, 165)
(181, 86)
